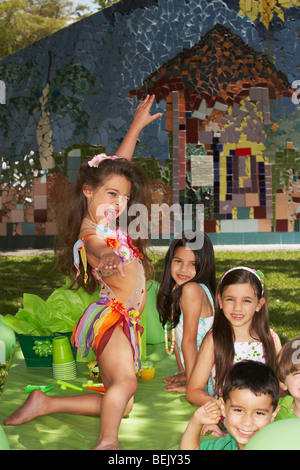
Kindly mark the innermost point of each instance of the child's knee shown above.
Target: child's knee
(129, 407)
(127, 383)
(132, 385)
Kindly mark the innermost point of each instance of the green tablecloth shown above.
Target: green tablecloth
(156, 422)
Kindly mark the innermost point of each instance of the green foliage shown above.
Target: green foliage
(39, 275)
(23, 22)
(104, 3)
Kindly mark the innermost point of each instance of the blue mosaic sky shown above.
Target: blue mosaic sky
(116, 50)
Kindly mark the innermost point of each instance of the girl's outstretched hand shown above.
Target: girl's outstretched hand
(142, 116)
(110, 261)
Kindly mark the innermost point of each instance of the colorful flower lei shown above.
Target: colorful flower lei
(120, 242)
(112, 242)
(136, 251)
(122, 250)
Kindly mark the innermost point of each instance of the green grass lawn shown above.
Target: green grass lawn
(40, 275)
(282, 280)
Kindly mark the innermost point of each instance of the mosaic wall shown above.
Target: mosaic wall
(223, 74)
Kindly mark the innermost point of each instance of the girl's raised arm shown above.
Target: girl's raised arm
(142, 118)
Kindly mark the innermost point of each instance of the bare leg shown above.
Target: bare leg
(118, 375)
(39, 404)
(117, 368)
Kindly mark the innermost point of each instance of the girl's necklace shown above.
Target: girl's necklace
(170, 351)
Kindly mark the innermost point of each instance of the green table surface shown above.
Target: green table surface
(157, 421)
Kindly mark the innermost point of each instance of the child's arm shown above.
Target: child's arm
(141, 119)
(176, 383)
(277, 342)
(178, 360)
(181, 372)
(191, 305)
(201, 372)
(100, 256)
(209, 413)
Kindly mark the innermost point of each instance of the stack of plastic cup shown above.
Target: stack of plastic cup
(63, 363)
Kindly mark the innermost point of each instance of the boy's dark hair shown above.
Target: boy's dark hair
(287, 361)
(255, 376)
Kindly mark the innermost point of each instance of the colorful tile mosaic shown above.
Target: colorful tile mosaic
(227, 114)
(222, 73)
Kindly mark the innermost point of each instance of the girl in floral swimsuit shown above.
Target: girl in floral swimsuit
(103, 253)
(100, 319)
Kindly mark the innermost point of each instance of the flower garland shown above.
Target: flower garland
(112, 242)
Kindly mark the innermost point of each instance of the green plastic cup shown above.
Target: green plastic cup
(61, 350)
(4, 444)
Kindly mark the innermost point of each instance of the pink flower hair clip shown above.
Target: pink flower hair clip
(97, 159)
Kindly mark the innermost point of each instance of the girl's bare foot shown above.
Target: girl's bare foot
(107, 444)
(35, 405)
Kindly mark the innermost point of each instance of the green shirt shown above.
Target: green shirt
(223, 443)
(286, 411)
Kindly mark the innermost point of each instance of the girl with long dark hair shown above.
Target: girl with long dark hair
(185, 300)
(240, 331)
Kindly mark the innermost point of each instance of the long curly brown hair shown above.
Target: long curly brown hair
(75, 209)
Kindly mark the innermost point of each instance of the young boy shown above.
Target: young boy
(250, 402)
(288, 372)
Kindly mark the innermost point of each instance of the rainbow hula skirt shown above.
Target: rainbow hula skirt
(98, 322)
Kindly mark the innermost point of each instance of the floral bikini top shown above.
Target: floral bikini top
(117, 240)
